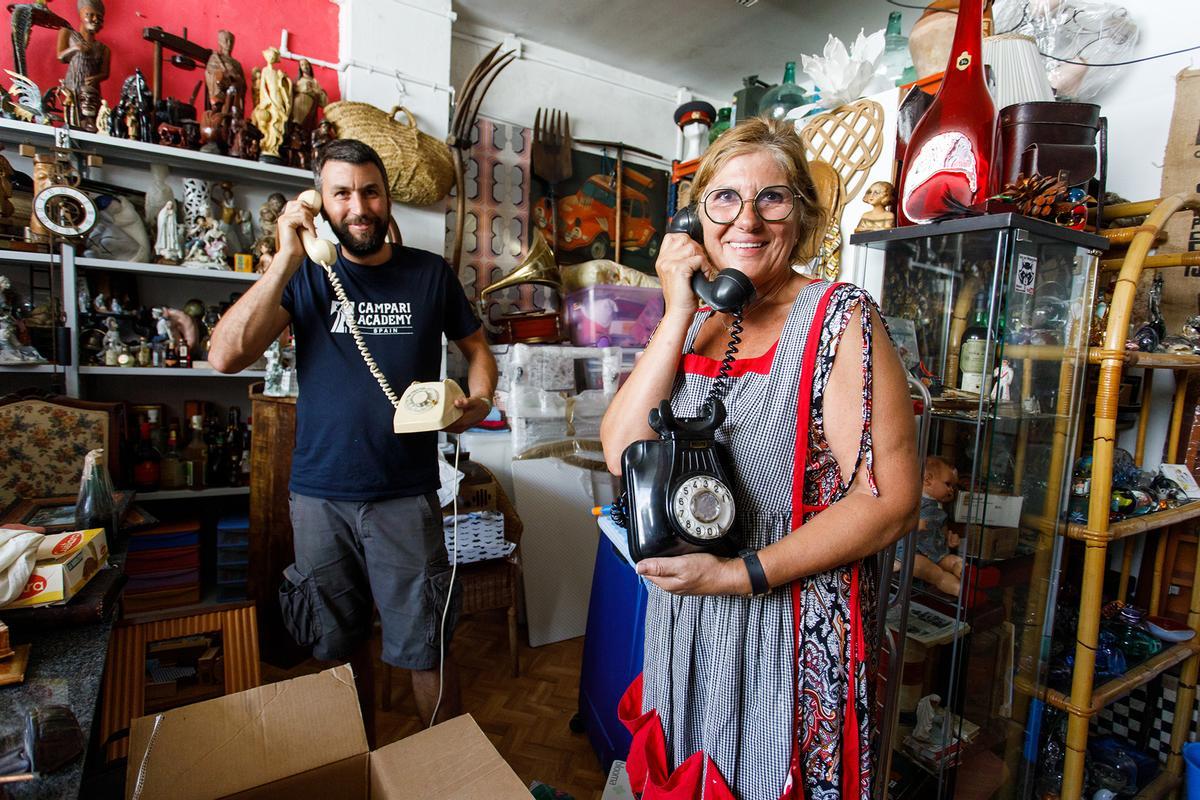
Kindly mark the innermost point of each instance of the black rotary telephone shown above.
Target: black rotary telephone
(678, 497)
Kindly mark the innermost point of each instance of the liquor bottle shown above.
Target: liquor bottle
(171, 356)
(173, 472)
(214, 473)
(896, 58)
(948, 162)
(157, 436)
(95, 506)
(781, 99)
(972, 351)
(233, 448)
(195, 455)
(146, 463)
(185, 355)
(721, 125)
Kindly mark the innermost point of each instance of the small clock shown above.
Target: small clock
(65, 211)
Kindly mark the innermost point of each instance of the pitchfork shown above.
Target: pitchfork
(551, 157)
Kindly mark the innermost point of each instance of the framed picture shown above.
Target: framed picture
(904, 334)
(56, 514)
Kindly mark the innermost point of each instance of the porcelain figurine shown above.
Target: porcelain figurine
(274, 106)
(159, 193)
(166, 242)
(87, 62)
(881, 197)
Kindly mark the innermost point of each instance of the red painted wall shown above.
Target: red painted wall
(256, 24)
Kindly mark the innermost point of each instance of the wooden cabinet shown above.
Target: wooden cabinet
(270, 520)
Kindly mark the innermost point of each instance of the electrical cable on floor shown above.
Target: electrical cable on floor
(449, 593)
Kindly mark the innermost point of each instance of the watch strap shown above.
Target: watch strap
(758, 577)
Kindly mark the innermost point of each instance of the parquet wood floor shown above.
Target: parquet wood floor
(526, 718)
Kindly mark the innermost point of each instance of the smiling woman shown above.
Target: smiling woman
(757, 674)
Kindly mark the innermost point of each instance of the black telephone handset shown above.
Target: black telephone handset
(678, 496)
(730, 289)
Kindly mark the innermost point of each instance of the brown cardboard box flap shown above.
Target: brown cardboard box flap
(241, 741)
(451, 761)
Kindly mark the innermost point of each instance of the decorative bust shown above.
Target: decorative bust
(881, 197)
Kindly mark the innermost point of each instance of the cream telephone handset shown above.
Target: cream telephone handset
(425, 406)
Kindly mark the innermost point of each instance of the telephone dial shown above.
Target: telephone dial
(425, 405)
(677, 497)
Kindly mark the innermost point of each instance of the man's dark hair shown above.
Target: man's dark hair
(351, 151)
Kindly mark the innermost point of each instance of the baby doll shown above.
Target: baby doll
(933, 562)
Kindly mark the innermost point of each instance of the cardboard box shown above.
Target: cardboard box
(304, 738)
(997, 510)
(991, 544)
(65, 562)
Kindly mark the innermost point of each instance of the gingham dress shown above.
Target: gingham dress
(724, 708)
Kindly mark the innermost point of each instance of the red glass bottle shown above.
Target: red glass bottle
(949, 158)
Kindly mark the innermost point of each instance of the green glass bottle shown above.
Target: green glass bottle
(721, 125)
(896, 58)
(781, 99)
(972, 351)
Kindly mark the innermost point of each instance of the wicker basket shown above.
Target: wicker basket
(420, 168)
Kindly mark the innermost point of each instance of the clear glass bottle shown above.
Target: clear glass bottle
(947, 166)
(195, 455)
(896, 58)
(781, 99)
(95, 507)
(721, 125)
(972, 350)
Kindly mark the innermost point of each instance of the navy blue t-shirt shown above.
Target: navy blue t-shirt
(345, 447)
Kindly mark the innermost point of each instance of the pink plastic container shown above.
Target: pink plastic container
(613, 316)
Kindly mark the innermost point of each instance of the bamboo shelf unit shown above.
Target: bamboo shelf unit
(1085, 699)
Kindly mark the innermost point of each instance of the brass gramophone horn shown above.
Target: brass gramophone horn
(538, 267)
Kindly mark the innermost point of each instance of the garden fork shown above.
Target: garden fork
(551, 157)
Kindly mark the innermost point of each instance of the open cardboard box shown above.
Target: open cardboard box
(304, 738)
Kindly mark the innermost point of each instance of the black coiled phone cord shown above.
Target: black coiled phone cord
(720, 385)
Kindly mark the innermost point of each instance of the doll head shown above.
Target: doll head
(941, 479)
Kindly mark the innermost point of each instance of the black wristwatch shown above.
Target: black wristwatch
(758, 577)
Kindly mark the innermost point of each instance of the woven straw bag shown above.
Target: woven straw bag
(420, 167)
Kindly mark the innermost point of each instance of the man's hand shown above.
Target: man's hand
(474, 410)
(296, 216)
(697, 573)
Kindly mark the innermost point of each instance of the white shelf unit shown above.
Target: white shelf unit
(31, 368)
(191, 494)
(166, 271)
(170, 372)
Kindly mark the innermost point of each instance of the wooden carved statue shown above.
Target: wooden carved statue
(307, 98)
(274, 106)
(224, 78)
(87, 61)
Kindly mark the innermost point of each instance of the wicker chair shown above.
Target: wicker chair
(486, 585)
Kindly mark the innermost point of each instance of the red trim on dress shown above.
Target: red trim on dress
(696, 364)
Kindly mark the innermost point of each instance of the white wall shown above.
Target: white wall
(605, 102)
(398, 53)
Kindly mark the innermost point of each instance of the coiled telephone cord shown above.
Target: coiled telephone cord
(720, 385)
(348, 313)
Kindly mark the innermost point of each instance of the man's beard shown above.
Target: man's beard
(361, 246)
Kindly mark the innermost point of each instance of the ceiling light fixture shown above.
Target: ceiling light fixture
(745, 3)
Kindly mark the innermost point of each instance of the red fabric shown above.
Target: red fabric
(695, 364)
(851, 757)
(647, 764)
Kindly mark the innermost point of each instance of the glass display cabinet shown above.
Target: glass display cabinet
(992, 313)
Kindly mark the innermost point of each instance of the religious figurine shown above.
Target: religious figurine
(295, 151)
(1003, 378)
(87, 61)
(98, 304)
(166, 242)
(222, 193)
(881, 197)
(307, 98)
(224, 78)
(112, 342)
(323, 135)
(104, 119)
(82, 296)
(159, 193)
(131, 118)
(274, 106)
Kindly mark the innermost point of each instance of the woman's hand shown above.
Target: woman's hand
(680, 256)
(697, 573)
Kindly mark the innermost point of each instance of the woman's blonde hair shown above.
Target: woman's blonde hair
(779, 138)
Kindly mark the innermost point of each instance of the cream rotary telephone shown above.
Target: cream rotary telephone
(425, 406)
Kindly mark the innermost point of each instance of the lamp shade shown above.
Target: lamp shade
(1018, 69)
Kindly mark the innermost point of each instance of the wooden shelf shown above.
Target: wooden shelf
(128, 153)
(165, 270)
(27, 368)
(1160, 787)
(192, 494)
(1135, 358)
(1119, 687)
(1132, 527)
(170, 372)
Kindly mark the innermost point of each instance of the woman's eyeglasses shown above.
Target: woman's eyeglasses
(772, 204)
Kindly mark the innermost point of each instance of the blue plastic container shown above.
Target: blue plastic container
(612, 651)
(1191, 757)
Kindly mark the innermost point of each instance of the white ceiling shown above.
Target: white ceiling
(705, 45)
